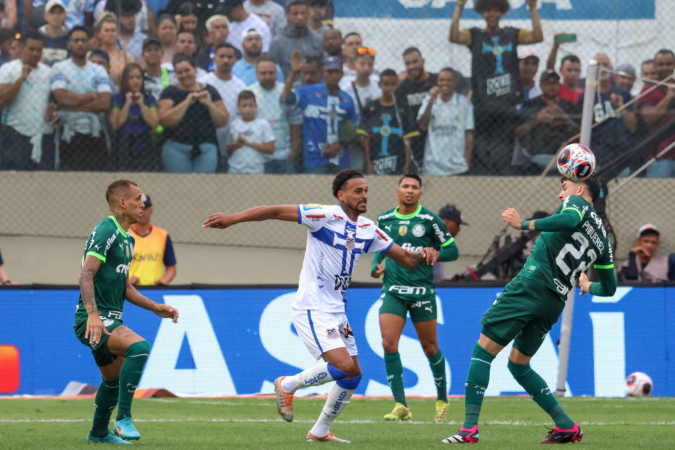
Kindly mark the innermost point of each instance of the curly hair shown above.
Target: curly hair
(342, 177)
(482, 6)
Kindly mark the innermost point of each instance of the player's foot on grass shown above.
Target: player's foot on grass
(463, 436)
(284, 401)
(442, 409)
(126, 430)
(400, 412)
(558, 436)
(330, 437)
(109, 439)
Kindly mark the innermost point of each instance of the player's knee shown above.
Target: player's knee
(138, 350)
(390, 345)
(430, 349)
(518, 370)
(350, 383)
(346, 366)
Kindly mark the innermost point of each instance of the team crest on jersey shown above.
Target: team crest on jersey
(308, 207)
(418, 230)
(350, 242)
(332, 333)
(403, 230)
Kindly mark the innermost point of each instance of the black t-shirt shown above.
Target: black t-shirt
(196, 126)
(409, 97)
(545, 138)
(387, 150)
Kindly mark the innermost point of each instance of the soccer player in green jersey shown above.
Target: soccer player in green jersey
(413, 228)
(571, 240)
(119, 353)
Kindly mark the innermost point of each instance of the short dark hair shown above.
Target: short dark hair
(295, 3)
(388, 73)
(34, 35)
(410, 50)
(184, 31)
(647, 61)
(665, 51)
(593, 185)
(77, 29)
(650, 232)
(414, 176)
(182, 57)
(486, 5)
(314, 59)
(245, 95)
(6, 35)
(448, 69)
(265, 58)
(166, 16)
(353, 33)
(342, 177)
(225, 45)
(116, 186)
(571, 58)
(188, 9)
(100, 53)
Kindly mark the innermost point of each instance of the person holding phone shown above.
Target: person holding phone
(570, 69)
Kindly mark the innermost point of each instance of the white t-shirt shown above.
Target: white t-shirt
(247, 159)
(252, 20)
(279, 116)
(446, 139)
(334, 246)
(271, 13)
(26, 113)
(229, 91)
(366, 94)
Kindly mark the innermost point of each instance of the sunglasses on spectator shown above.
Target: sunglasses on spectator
(366, 50)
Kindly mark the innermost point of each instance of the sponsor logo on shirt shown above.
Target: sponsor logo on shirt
(123, 268)
(315, 218)
(338, 217)
(410, 290)
(382, 236)
(308, 207)
(364, 225)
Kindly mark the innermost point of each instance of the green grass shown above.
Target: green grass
(507, 423)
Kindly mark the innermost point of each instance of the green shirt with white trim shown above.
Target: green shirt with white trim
(559, 257)
(115, 248)
(413, 232)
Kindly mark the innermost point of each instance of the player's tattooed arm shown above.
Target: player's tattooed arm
(86, 281)
(410, 259)
(162, 310)
(288, 213)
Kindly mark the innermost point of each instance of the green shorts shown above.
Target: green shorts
(101, 353)
(421, 309)
(526, 311)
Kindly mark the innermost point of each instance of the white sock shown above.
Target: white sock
(314, 376)
(337, 401)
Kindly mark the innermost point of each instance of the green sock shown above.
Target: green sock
(476, 384)
(106, 400)
(540, 393)
(394, 368)
(437, 363)
(136, 355)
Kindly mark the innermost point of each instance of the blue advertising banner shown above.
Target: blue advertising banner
(237, 341)
(548, 10)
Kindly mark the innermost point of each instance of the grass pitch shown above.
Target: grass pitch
(247, 423)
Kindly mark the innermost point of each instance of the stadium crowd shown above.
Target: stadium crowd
(256, 87)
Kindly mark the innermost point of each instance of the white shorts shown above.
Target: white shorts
(322, 331)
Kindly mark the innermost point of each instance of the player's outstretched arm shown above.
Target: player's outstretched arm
(288, 213)
(567, 219)
(410, 259)
(95, 328)
(133, 296)
(605, 288)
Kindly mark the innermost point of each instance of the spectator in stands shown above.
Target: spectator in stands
(643, 264)
(311, 70)
(187, 19)
(385, 150)
(187, 45)
(133, 117)
(190, 112)
(496, 86)
(152, 250)
(363, 88)
(528, 66)
(544, 124)
(453, 220)
(166, 32)
(218, 27)
(251, 138)
(8, 14)
(286, 123)
(7, 38)
(625, 77)
(448, 118)
(144, 19)
(409, 97)
(648, 72)
(323, 151)
(15, 48)
(130, 37)
(270, 12)
(156, 77)
(658, 112)
(240, 20)
(55, 33)
(350, 46)
(106, 32)
(228, 86)
(24, 93)
(80, 13)
(610, 138)
(4, 280)
(102, 58)
(82, 90)
(295, 36)
(570, 70)
(332, 43)
(245, 68)
(317, 14)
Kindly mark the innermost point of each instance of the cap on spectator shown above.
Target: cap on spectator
(151, 40)
(100, 53)
(648, 227)
(210, 20)
(124, 8)
(451, 212)
(527, 52)
(146, 200)
(250, 31)
(626, 70)
(318, 2)
(331, 63)
(52, 3)
(228, 5)
(539, 215)
(548, 74)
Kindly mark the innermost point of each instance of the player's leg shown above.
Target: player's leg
(427, 334)
(393, 313)
(106, 401)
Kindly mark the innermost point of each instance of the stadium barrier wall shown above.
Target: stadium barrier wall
(237, 341)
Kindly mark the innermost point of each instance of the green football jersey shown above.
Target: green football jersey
(413, 232)
(558, 258)
(114, 247)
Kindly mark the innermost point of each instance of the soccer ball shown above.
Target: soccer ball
(576, 162)
(638, 384)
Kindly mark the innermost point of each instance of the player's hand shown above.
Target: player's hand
(670, 91)
(433, 92)
(431, 255)
(616, 100)
(166, 312)
(512, 217)
(296, 62)
(640, 250)
(95, 329)
(377, 273)
(584, 284)
(219, 220)
(25, 71)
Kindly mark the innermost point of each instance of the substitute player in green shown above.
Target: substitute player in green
(413, 228)
(572, 240)
(119, 353)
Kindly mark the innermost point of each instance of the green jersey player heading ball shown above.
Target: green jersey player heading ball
(571, 241)
(120, 354)
(412, 291)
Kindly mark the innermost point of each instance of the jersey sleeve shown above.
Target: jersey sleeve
(6, 77)
(441, 235)
(169, 255)
(101, 241)
(423, 107)
(104, 83)
(574, 205)
(266, 132)
(56, 78)
(381, 242)
(314, 217)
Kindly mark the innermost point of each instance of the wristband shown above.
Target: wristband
(525, 225)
